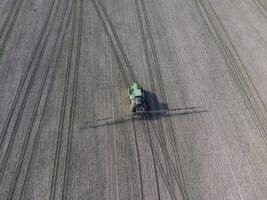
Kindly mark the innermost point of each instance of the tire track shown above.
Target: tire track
(37, 53)
(111, 40)
(241, 77)
(133, 79)
(151, 78)
(176, 172)
(157, 163)
(121, 67)
(14, 10)
(73, 104)
(36, 108)
(112, 44)
(153, 88)
(21, 109)
(115, 52)
(8, 17)
(171, 169)
(138, 160)
(145, 44)
(63, 108)
(36, 139)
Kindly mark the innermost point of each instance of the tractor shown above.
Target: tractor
(137, 99)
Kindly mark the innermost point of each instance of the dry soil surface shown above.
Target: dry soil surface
(65, 66)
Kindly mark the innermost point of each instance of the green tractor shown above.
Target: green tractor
(139, 107)
(137, 99)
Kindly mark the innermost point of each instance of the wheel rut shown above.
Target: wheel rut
(235, 66)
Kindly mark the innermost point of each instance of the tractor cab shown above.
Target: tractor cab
(137, 99)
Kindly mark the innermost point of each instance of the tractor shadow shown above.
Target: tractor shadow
(153, 105)
(156, 105)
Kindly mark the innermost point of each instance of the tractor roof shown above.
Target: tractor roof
(135, 86)
(137, 92)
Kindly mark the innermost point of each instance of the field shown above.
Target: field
(65, 70)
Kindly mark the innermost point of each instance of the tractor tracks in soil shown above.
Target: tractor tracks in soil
(236, 68)
(37, 55)
(52, 69)
(172, 170)
(9, 23)
(30, 71)
(156, 162)
(123, 66)
(36, 139)
(114, 37)
(115, 42)
(125, 58)
(59, 134)
(73, 102)
(73, 56)
(138, 159)
(58, 139)
(158, 165)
